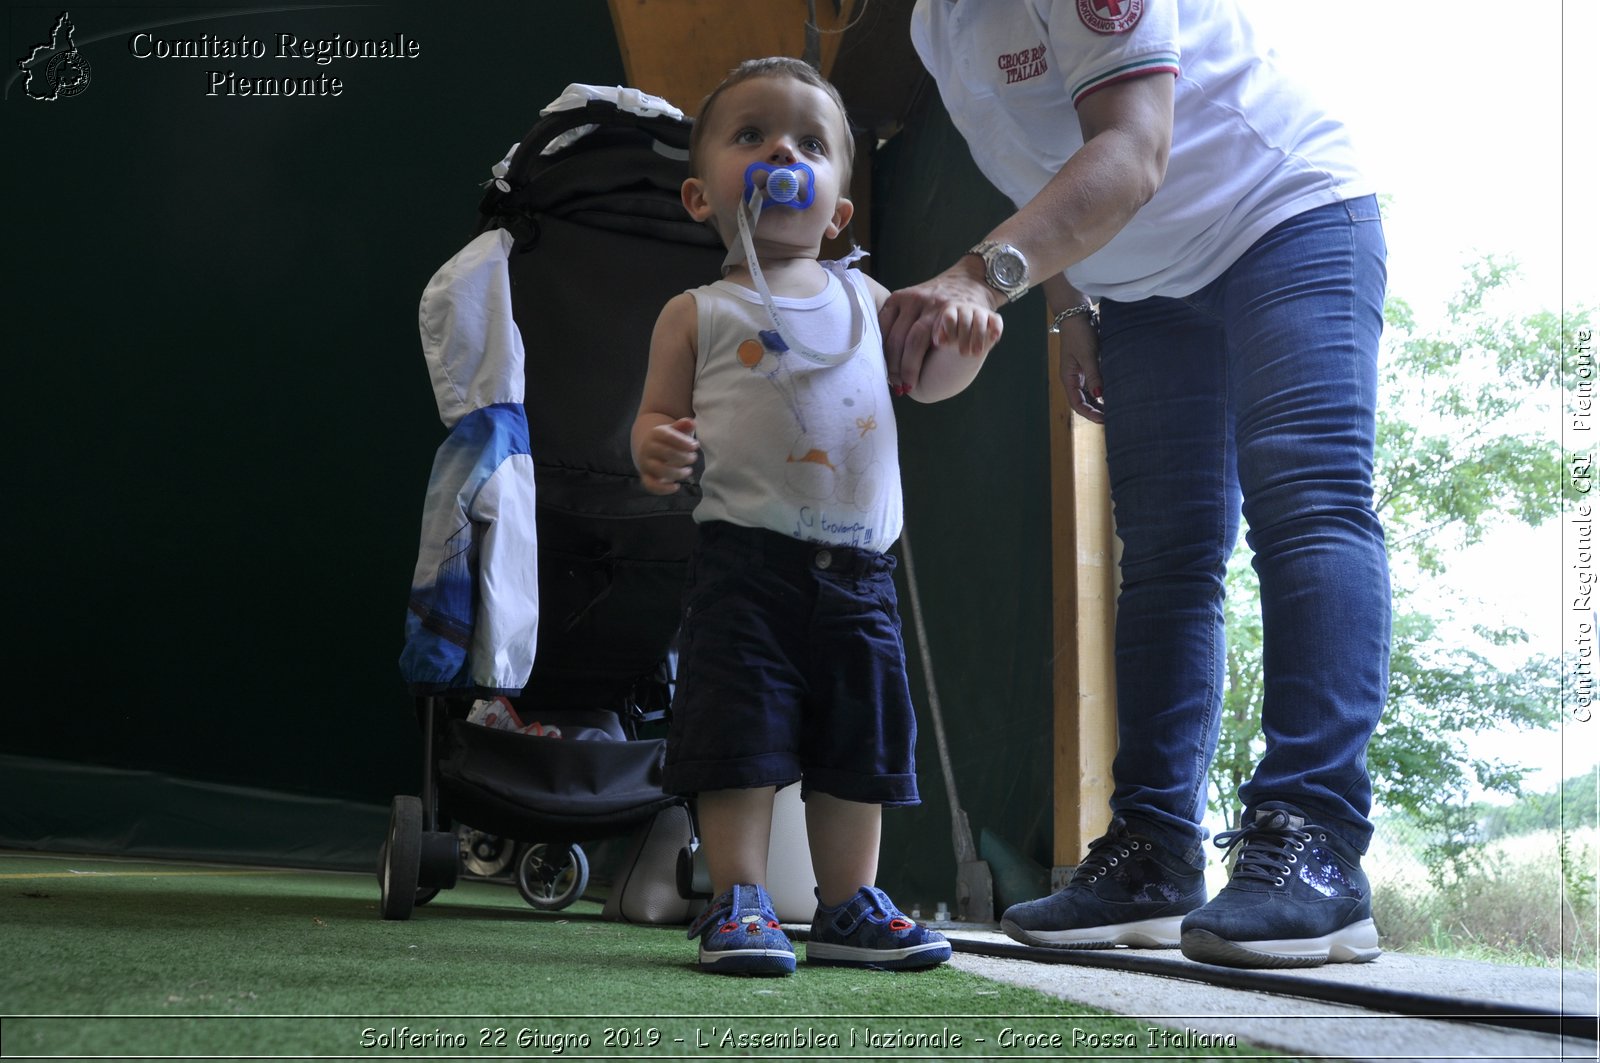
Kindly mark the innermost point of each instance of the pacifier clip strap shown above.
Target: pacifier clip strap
(748, 214)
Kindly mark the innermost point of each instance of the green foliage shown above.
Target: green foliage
(1239, 743)
(1575, 804)
(1524, 892)
(1534, 905)
(1455, 456)
(1579, 915)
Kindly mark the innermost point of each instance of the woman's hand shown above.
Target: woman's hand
(1080, 368)
(917, 319)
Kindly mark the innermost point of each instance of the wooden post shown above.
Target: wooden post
(1085, 578)
(681, 49)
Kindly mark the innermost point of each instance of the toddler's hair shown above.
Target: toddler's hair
(773, 66)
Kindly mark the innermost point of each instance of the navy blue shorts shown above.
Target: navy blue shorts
(791, 667)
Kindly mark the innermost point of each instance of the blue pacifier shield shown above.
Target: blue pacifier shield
(782, 184)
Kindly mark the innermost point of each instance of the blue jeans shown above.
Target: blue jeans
(1260, 387)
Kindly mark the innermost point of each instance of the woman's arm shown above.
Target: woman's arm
(1127, 134)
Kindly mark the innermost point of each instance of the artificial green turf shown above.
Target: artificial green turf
(102, 956)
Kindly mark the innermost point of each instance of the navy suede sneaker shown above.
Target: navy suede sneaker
(739, 934)
(1297, 897)
(1127, 891)
(869, 931)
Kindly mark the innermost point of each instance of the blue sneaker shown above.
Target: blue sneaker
(869, 931)
(1297, 898)
(739, 934)
(1127, 891)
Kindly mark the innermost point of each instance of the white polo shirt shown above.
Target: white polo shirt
(1249, 147)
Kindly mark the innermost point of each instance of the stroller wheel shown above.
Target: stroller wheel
(424, 895)
(401, 859)
(550, 877)
(486, 855)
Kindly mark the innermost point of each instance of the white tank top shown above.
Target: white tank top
(804, 449)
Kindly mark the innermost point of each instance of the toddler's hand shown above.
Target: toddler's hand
(667, 456)
(968, 327)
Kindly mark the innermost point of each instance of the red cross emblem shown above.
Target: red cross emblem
(1110, 16)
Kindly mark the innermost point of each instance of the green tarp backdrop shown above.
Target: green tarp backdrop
(221, 427)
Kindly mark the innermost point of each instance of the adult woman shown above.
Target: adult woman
(1164, 167)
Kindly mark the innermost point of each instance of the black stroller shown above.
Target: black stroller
(548, 581)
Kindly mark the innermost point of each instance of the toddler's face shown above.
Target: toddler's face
(777, 121)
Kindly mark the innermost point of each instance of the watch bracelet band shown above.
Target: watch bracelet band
(1081, 308)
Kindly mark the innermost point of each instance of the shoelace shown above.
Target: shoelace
(1105, 853)
(1271, 848)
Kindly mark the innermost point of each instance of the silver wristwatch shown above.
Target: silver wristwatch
(1004, 268)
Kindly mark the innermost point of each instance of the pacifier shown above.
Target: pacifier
(782, 184)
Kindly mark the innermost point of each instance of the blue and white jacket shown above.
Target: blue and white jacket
(473, 615)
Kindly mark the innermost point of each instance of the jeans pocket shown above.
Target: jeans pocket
(886, 598)
(713, 574)
(704, 592)
(1363, 208)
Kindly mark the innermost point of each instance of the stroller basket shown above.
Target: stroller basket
(567, 789)
(585, 778)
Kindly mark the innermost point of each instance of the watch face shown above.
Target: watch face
(1009, 269)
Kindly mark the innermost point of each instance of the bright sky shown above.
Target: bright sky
(1458, 108)
(1485, 134)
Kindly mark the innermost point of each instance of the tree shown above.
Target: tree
(1574, 804)
(1466, 439)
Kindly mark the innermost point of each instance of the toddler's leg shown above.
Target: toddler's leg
(735, 832)
(857, 925)
(844, 838)
(738, 931)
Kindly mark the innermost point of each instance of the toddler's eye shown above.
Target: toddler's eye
(814, 146)
(747, 136)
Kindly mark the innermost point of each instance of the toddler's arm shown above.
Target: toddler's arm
(664, 447)
(961, 339)
(959, 347)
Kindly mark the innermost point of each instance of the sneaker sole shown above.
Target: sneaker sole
(1356, 943)
(747, 961)
(1144, 934)
(823, 954)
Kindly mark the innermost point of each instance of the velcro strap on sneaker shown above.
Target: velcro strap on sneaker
(857, 909)
(719, 910)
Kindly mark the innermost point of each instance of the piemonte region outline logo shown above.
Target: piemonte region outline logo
(56, 70)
